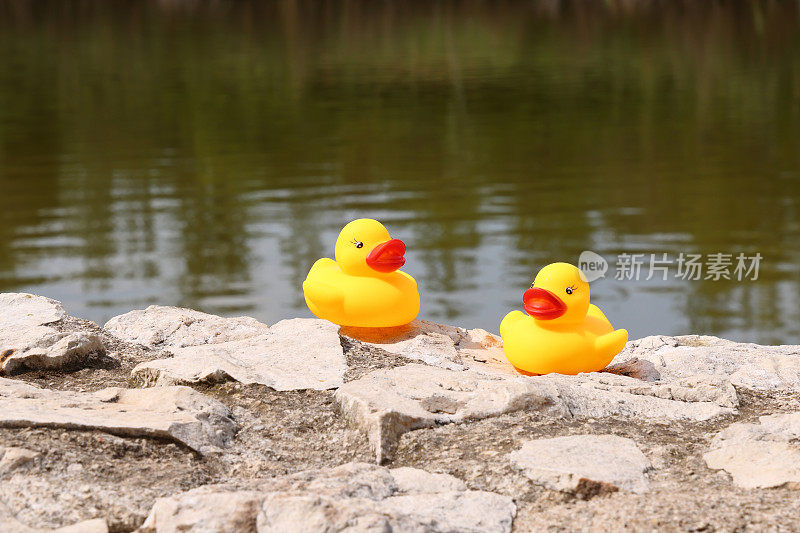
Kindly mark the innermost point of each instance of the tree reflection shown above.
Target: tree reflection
(206, 153)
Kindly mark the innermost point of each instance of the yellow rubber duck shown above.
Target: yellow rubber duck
(564, 333)
(364, 286)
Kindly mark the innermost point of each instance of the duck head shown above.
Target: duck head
(560, 293)
(365, 248)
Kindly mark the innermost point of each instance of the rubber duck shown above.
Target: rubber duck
(562, 332)
(363, 287)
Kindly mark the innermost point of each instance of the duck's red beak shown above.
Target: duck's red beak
(543, 304)
(387, 256)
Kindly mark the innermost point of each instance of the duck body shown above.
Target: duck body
(362, 301)
(560, 332)
(363, 286)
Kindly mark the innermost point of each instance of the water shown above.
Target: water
(205, 154)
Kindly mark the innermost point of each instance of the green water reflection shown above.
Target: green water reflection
(205, 154)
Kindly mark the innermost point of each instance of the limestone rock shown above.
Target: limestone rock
(483, 352)
(177, 413)
(415, 480)
(301, 353)
(21, 310)
(762, 455)
(564, 463)
(169, 328)
(212, 508)
(10, 524)
(14, 457)
(747, 365)
(438, 345)
(29, 342)
(601, 395)
(425, 341)
(389, 402)
(354, 497)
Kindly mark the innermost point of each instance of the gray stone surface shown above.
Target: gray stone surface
(177, 413)
(438, 345)
(301, 353)
(421, 340)
(761, 455)
(22, 310)
(415, 480)
(564, 463)
(354, 497)
(747, 365)
(169, 328)
(472, 412)
(10, 524)
(15, 457)
(389, 402)
(602, 395)
(28, 341)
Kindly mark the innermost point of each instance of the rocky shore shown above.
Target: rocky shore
(169, 419)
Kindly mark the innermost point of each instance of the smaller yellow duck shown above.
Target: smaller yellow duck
(564, 333)
(364, 286)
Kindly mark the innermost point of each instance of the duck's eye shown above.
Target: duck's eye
(569, 290)
(359, 244)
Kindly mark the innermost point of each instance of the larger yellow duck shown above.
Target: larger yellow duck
(363, 287)
(562, 332)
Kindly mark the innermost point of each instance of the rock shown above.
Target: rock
(353, 497)
(564, 463)
(601, 395)
(389, 402)
(761, 455)
(438, 345)
(92, 474)
(483, 352)
(746, 365)
(176, 413)
(655, 358)
(169, 328)
(634, 368)
(204, 510)
(10, 524)
(74, 469)
(301, 353)
(431, 343)
(28, 341)
(415, 480)
(21, 310)
(14, 457)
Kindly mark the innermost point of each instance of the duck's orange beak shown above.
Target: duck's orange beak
(543, 304)
(387, 256)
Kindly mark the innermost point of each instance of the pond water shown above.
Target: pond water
(205, 154)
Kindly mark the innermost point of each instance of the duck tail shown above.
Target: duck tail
(612, 343)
